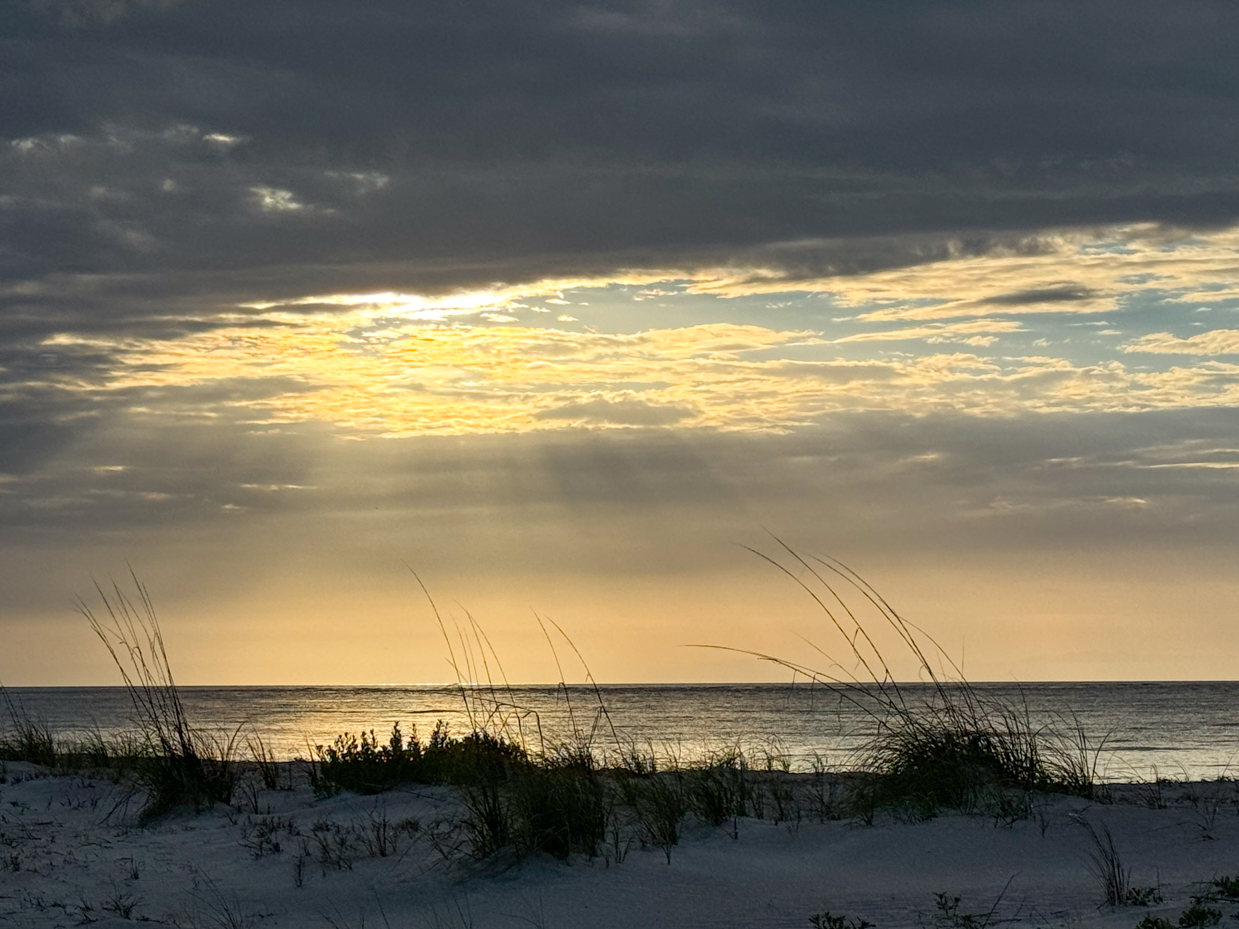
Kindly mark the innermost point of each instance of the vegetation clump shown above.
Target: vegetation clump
(365, 766)
(1199, 915)
(832, 921)
(1226, 887)
(944, 743)
(173, 763)
(961, 751)
(27, 739)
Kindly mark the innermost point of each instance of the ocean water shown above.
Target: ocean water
(1139, 730)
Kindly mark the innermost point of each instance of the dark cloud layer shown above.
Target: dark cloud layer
(216, 150)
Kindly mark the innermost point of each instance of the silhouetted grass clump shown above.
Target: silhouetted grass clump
(25, 738)
(959, 750)
(173, 763)
(718, 791)
(955, 748)
(558, 809)
(944, 745)
(28, 739)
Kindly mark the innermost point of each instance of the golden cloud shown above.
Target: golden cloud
(368, 376)
(1213, 342)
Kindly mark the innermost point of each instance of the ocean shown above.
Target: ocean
(1139, 730)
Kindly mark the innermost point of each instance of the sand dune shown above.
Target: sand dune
(69, 855)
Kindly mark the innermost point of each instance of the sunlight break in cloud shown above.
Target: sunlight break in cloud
(1057, 272)
(378, 376)
(1073, 272)
(273, 200)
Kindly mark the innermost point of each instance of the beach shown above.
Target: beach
(73, 852)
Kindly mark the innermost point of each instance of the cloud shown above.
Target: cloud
(368, 372)
(1053, 272)
(79, 13)
(284, 275)
(271, 200)
(967, 332)
(780, 145)
(1213, 342)
(617, 411)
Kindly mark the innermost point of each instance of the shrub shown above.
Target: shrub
(830, 921)
(363, 765)
(1227, 887)
(558, 805)
(1199, 915)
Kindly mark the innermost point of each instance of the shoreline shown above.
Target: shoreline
(1147, 729)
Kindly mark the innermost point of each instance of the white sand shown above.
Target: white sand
(64, 862)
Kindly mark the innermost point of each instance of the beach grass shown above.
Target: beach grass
(956, 748)
(24, 737)
(504, 789)
(174, 763)
(27, 739)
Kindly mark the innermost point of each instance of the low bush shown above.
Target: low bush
(1199, 915)
(557, 805)
(1227, 887)
(365, 766)
(831, 921)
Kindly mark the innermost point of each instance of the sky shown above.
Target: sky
(579, 310)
